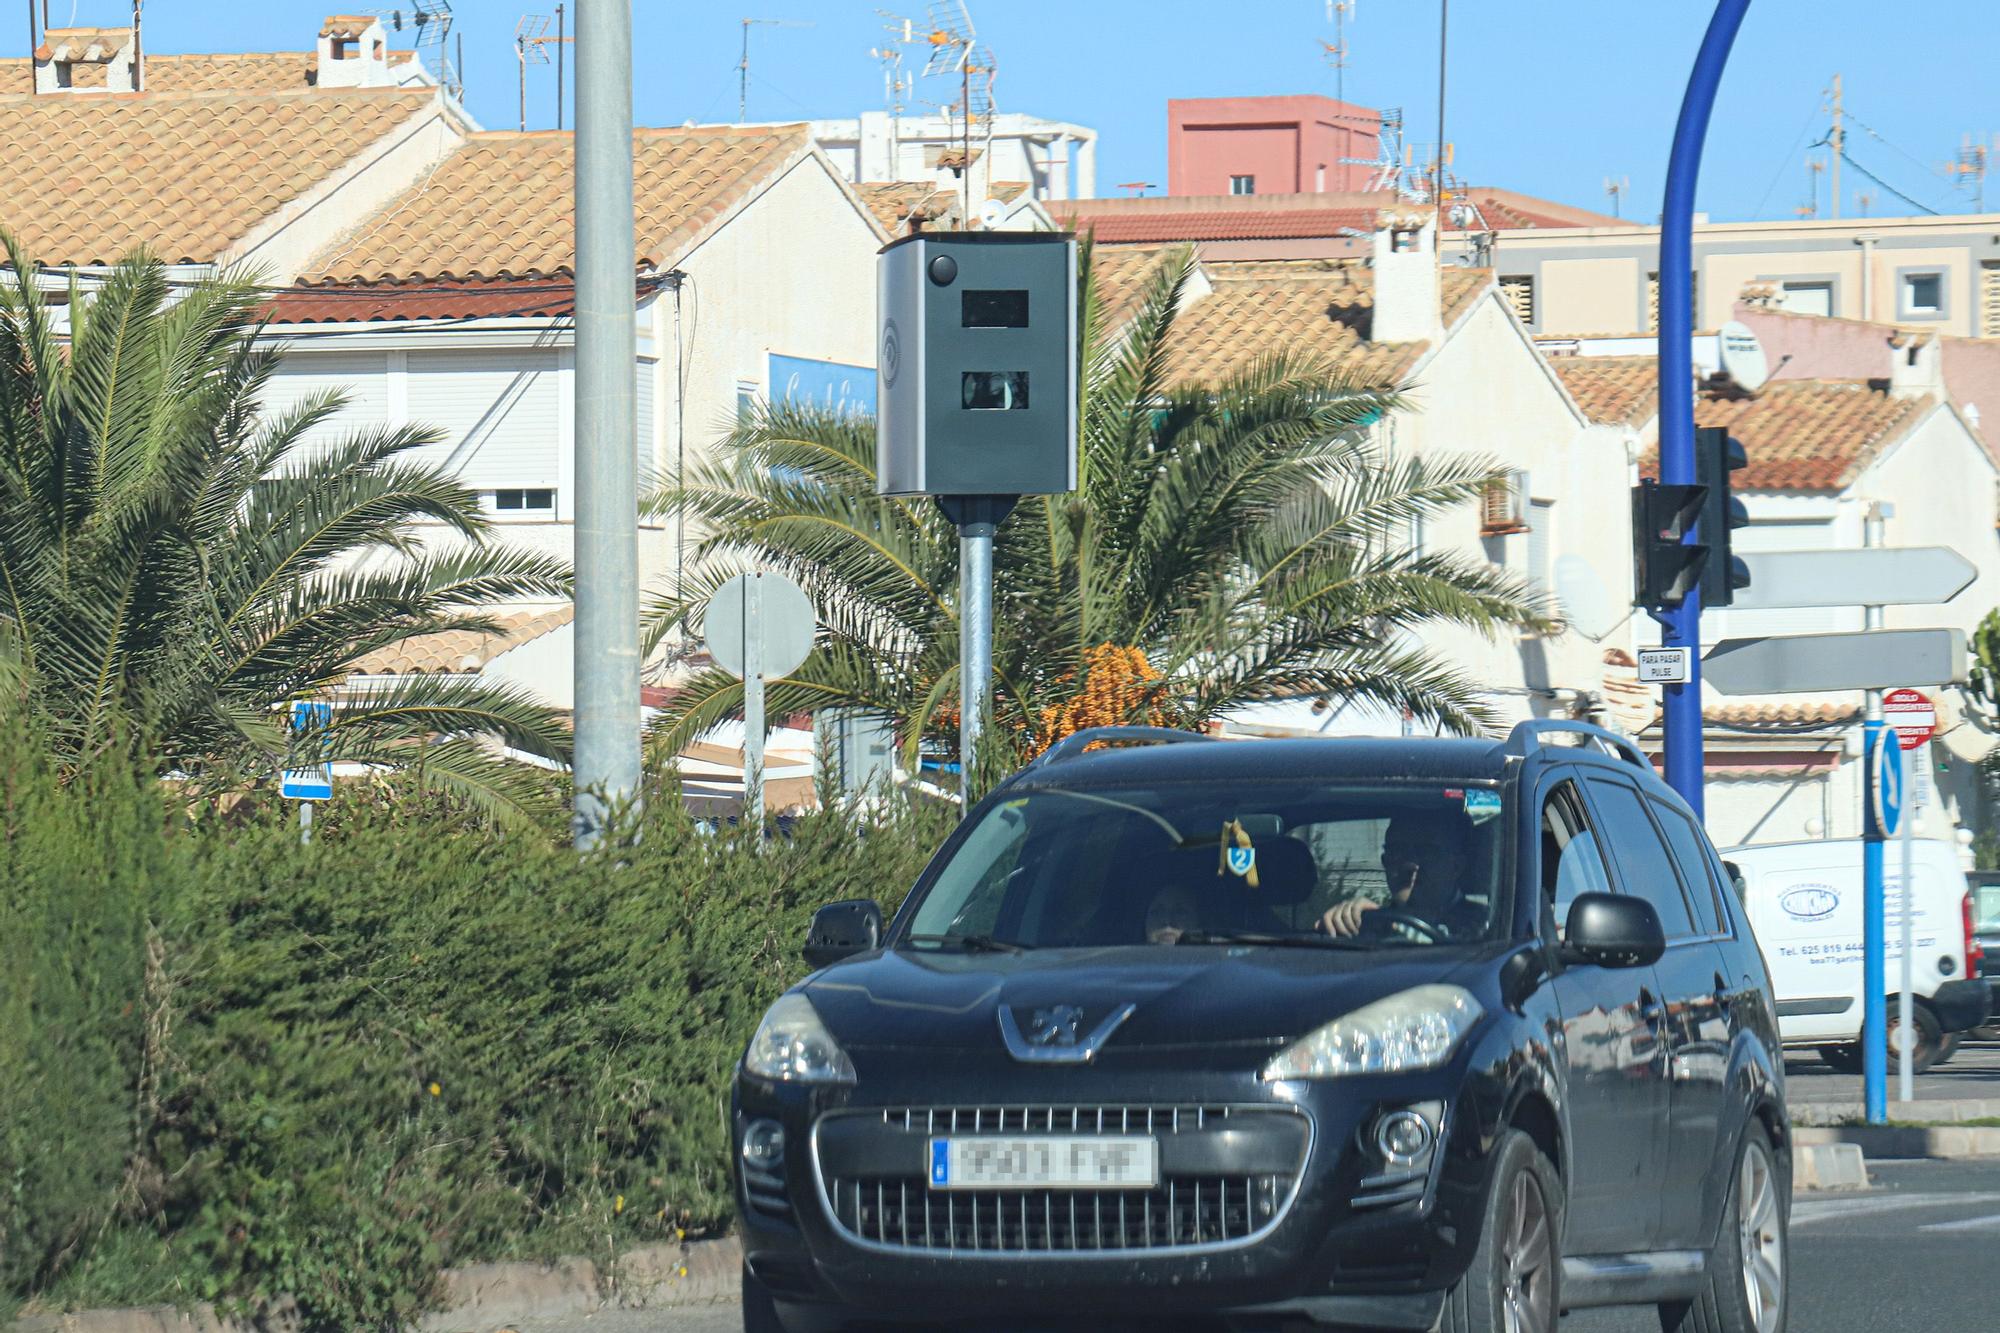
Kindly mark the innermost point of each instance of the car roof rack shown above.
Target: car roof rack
(1078, 741)
(1526, 738)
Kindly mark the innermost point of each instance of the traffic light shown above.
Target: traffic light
(1664, 565)
(1717, 454)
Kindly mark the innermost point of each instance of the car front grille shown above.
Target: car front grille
(1227, 1175)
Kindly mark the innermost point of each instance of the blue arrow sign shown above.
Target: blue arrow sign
(315, 783)
(1890, 790)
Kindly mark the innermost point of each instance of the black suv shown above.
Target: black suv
(1410, 1034)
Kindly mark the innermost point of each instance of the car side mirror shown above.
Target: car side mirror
(1613, 930)
(840, 930)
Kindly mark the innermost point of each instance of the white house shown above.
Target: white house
(1822, 452)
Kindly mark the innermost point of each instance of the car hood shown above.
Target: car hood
(1196, 996)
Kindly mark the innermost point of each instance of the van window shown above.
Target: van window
(1643, 861)
(1692, 860)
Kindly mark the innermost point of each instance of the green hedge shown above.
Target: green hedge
(419, 1042)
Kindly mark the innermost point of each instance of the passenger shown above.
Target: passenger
(1423, 862)
(1174, 912)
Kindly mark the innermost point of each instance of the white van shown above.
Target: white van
(1804, 901)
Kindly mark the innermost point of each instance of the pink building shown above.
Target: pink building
(1269, 145)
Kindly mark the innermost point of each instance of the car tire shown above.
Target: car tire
(1514, 1282)
(1930, 1045)
(1746, 1286)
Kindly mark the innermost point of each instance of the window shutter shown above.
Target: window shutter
(1504, 504)
(1520, 294)
(1989, 299)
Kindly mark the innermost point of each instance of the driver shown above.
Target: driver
(1423, 861)
(1172, 913)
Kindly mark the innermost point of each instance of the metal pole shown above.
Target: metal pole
(753, 705)
(975, 645)
(1906, 1074)
(1839, 144)
(1437, 181)
(742, 76)
(1874, 922)
(607, 511)
(561, 41)
(305, 823)
(34, 43)
(1681, 626)
(521, 83)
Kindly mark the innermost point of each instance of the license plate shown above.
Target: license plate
(1058, 1162)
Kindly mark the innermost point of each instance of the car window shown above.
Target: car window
(1986, 907)
(1388, 864)
(1643, 860)
(1571, 860)
(1691, 858)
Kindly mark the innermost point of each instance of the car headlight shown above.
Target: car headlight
(793, 1046)
(1414, 1029)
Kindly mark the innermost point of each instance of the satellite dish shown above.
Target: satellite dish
(1742, 357)
(1586, 603)
(993, 214)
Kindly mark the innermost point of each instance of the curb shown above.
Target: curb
(1942, 1111)
(481, 1298)
(1937, 1141)
(1828, 1166)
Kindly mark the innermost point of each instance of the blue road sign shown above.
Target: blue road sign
(315, 783)
(1885, 801)
(1889, 788)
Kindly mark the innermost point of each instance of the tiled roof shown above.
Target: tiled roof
(1801, 435)
(1122, 274)
(1782, 715)
(461, 651)
(896, 203)
(1510, 209)
(254, 72)
(91, 178)
(1620, 390)
(367, 302)
(347, 26)
(502, 205)
(1315, 309)
(1114, 226)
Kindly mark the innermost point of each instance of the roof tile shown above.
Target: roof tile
(187, 176)
(501, 206)
(250, 72)
(462, 651)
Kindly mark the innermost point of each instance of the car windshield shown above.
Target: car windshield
(1279, 863)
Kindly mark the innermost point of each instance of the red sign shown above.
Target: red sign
(1912, 715)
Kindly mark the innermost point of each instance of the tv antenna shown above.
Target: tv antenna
(743, 65)
(1338, 12)
(432, 21)
(1617, 187)
(1968, 169)
(1138, 188)
(957, 50)
(531, 47)
(896, 84)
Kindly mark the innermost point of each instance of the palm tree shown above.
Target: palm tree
(175, 568)
(1248, 538)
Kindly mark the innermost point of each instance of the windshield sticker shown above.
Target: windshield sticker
(1481, 806)
(1240, 860)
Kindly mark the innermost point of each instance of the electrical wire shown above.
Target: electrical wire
(1785, 163)
(1849, 160)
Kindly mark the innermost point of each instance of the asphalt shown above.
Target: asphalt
(1911, 1253)
(1974, 1072)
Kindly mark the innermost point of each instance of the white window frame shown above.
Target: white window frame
(522, 513)
(1242, 184)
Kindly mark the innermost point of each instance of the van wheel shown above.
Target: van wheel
(1512, 1285)
(1747, 1285)
(1930, 1045)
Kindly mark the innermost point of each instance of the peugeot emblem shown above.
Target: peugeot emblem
(1056, 1026)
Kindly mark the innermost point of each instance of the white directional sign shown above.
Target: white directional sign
(1880, 576)
(1809, 663)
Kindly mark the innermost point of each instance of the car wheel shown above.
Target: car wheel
(1512, 1284)
(1746, 1286)
(1930, 1039)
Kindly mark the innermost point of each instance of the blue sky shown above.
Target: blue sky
(1545, 96)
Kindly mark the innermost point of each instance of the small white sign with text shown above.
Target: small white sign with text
(1664, 666)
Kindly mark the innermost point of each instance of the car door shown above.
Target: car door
(1655, 860)
(1616, 1092)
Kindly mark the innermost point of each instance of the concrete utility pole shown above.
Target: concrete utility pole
(607, 509)
(1681, 626)
(1837, 141)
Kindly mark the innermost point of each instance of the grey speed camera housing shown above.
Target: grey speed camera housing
(977, 374)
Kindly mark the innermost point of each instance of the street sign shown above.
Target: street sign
(1809, 663)
(1887, 790)
(1665, 666)
(1876, 576)
(1913, 716)
(782, 622)
(315, 783)
(759, 627)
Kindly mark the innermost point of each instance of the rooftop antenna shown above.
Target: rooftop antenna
(1617, 187)
(1338, 12)
(896, 83)
(531, 43)
(432, 21)
(1138, 188)
(743, 65)
(1968, 169)
(956, 50)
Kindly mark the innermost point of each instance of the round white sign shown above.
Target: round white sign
(769, 606)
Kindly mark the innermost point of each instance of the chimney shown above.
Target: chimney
(1406, 277)
(85, 60)
(1916, 365)
(353, 52)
